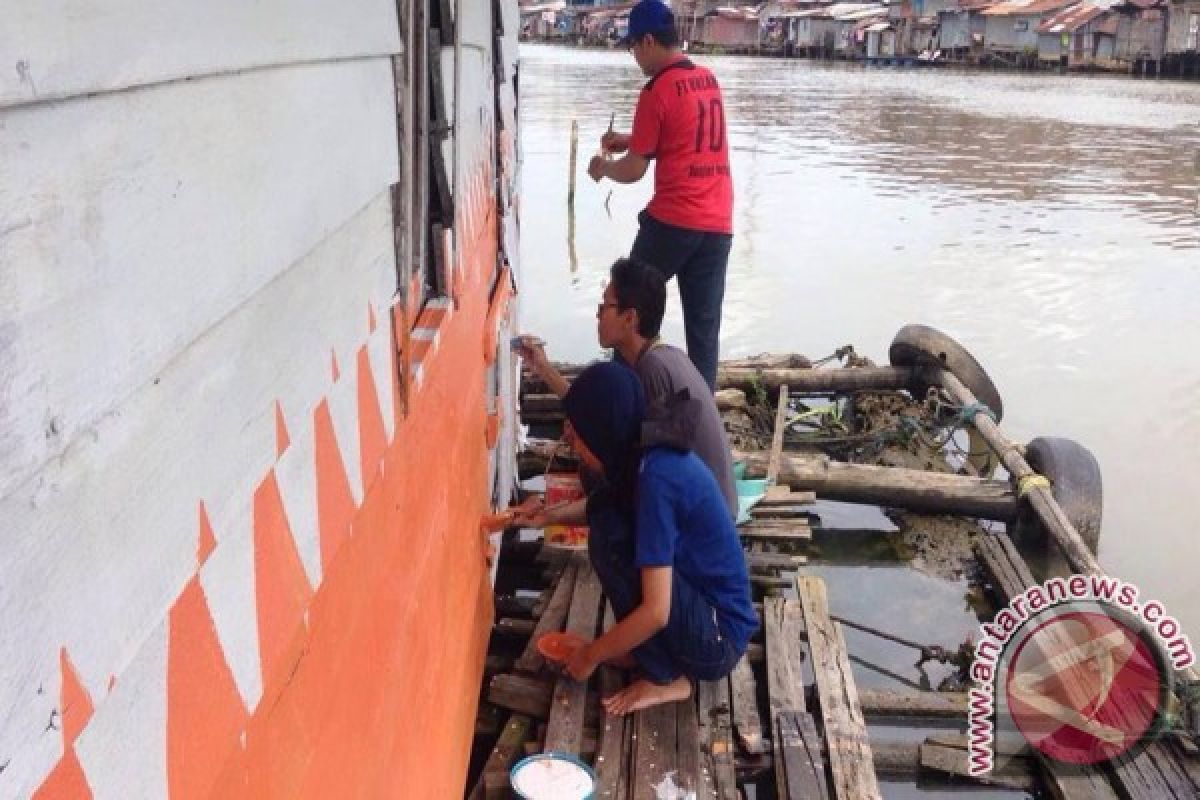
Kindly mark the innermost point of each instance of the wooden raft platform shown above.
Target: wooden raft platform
(705, 744)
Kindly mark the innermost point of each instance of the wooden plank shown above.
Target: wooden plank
(552, 619)
(845, 729)
(780, 512)
(714, 718)
(793, 533)
(612, 755)
(654, 751)
(783, 627)
(74, 47)
(690, 771)
(777, 436)
(775, 560)
(783, 624)
(746, 722)
(786, 496)
(503, 755)
(564, 730)
(800, 768)
(521, 693)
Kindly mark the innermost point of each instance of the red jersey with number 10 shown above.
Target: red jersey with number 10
(680, 123)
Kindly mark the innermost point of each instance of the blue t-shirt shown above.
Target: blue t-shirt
(683, 523)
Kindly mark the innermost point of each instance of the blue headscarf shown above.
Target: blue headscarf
(606, 406)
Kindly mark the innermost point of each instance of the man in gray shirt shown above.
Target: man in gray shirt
(681, 408)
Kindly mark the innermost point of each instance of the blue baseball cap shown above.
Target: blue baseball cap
(648, 16)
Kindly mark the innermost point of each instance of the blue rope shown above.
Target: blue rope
(968, 413)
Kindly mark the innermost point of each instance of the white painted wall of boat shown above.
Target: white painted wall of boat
(52, 49)
(174, 259)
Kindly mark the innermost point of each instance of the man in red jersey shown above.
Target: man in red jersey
(687, 229)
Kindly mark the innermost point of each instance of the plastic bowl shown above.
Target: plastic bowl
(751, 487)
(566, 765)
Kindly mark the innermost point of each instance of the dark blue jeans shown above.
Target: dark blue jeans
(697, 260)
(692, 643)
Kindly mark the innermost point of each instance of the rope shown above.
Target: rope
(1030, 482)
(968, 413)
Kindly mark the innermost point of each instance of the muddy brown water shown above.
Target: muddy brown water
(1050, 223)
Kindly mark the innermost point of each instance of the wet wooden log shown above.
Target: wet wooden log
(845, 729)
(815, 381)
(951, 760)
(883, 703)
(915, 490)
(730, 400)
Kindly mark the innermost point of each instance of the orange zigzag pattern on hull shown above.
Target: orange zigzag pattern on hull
(370, 680)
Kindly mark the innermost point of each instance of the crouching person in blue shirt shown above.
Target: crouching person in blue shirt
(663, 546)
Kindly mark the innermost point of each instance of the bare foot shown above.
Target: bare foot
(643, 694)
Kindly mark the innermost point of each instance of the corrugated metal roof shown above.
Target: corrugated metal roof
(1013, 8)
(1071, 19)
(974, 5)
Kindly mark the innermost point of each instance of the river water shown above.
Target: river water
(1049, 223)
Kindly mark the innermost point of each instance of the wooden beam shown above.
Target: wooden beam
(521, 693)
(845, 729)
(777, 435)
(913, 489)
(552, 619)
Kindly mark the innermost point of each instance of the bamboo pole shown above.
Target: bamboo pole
(1040, 498)
(571, 169)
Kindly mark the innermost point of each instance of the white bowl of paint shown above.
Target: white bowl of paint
(553, 776)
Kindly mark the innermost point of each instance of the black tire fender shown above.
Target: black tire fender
(923, 346)
(1075, 482)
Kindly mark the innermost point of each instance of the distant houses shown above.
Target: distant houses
(1149, 37)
